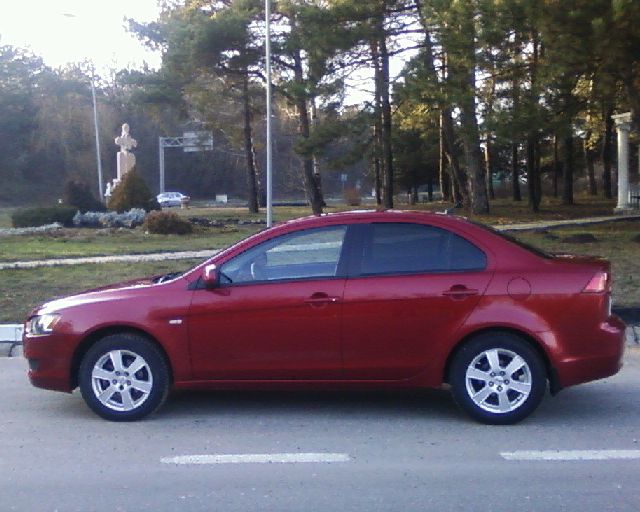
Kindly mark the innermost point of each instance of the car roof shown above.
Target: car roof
(376, 215)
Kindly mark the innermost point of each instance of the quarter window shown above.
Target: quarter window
(313, 253)
(395, 248)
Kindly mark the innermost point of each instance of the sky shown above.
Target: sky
(67, 31)
(70, 31)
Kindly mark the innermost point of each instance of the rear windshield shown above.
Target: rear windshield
(514, 240)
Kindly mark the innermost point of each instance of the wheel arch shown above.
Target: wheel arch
(95, 336)
(526, 337)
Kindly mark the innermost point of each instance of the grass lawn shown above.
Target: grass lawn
(616, 242)
(21, 290)
(89, 242)
(66, 243)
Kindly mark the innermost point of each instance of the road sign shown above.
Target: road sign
(197, 141)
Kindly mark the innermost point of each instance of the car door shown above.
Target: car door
(412, 287)
(276, 313)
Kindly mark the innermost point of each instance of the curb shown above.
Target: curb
(135, 258)
(11, 340)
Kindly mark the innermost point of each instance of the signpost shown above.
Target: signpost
(190, 142)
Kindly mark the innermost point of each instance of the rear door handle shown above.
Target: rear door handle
(459, 291)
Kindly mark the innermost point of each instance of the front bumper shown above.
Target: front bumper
(49, 360)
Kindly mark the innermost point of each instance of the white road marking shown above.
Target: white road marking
(566, 455)
(257, 458)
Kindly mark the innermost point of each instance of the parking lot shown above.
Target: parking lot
(320, 451)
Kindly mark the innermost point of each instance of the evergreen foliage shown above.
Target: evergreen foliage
(520, 91)
(132, 192)
(41, 216)
(78, 194)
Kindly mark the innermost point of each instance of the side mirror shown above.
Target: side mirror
(210, 276)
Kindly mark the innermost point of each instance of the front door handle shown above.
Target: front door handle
(320, 299)
(459, 291)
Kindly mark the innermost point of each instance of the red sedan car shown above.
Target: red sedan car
(377, 299)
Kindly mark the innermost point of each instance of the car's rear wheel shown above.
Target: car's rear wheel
(124, 377)
(498, 378)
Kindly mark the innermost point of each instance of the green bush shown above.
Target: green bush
(132, 192)
(78, 194)
(167, 223)
(34, 217)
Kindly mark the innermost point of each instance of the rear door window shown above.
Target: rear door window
(404, 248)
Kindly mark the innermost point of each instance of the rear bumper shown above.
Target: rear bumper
(602, 358)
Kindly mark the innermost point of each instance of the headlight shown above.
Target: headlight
(42, 324)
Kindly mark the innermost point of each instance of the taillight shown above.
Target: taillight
(598, 283)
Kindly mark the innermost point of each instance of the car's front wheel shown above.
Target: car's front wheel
(124, 377)
(498, 378)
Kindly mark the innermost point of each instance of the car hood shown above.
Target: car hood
(117, 291)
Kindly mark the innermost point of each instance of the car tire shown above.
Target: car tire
(498, 378)
(124, 377)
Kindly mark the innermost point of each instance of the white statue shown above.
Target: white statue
(126, 159)
(126, 141)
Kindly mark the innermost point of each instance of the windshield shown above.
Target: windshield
(167, 277)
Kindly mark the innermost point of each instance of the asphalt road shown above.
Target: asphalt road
(391, 452)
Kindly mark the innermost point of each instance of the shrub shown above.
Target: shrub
(352, 196)
(78, 194)
(131, 219)
(132, 192)
(167, 223)
(33, 217)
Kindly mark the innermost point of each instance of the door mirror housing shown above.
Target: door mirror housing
(210, 276)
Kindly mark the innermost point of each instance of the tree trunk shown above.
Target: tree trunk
(460, 189)
(377, 127)
(567, 190)
(590, 159)
(489, 175)
(515, 92)
(556, 165)
(515, 173)
(316, 161)
(533, 180)
(488, 148)
(376, 171)
(313, 192)
(252, 182)
(445, 180)
(538, 172)
(387, 151)
(534, 201)
(607, 152)
(454, 184)
(470, 140)
(463, 79)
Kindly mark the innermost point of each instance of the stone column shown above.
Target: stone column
(623, 126)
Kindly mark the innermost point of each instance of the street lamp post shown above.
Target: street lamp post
(72, 16)
(97, 134)
(267, 10)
